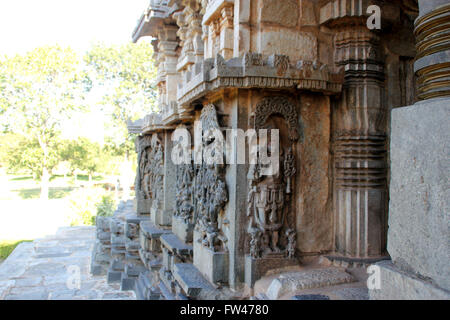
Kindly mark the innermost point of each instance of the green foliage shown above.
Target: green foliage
(19, 152)
(128, 73)
(40, 90)
(82, 154)
(7, 247)
(106, 206)
(84, 205)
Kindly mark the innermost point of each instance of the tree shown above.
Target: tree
(83, 154)
(124, 78)
(39, 90)
(19, 152)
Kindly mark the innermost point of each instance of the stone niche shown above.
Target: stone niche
(142, 183)
(271, 232)
(183, 216)
(156, 178)
(210, 197)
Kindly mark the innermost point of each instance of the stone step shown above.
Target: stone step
(144, 289)
(175, 245)
(151, 231)
(291, 282)
(165, 292)
(190, 279)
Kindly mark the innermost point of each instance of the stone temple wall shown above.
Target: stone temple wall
(314, 71)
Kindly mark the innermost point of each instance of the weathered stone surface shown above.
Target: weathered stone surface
(351, 293)
(256, 268)
(212, 265)
(291, 282)
(284, 13)
(190, 279)
(419, 237)
(296, 45)
(310, 297)
(399, 285)
(27, 275)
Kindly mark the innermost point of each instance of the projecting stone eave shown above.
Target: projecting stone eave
(135, 127)
(153, 123)
(256, 71)
(148, 23)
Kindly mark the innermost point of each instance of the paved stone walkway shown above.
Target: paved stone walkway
(56, 268)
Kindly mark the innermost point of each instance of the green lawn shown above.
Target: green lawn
(24, 187)
(8, 246)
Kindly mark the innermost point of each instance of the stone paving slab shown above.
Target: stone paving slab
(56, 268)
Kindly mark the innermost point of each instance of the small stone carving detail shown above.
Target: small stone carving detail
(184, 206)
(142, 182)
(211, 193)
(278, 105)
(156, 169)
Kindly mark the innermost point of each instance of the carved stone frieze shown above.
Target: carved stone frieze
(256, 71)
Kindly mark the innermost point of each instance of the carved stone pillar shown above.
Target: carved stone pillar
(359, 136)
(432, 31)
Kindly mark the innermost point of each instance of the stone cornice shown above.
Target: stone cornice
(151, 19)
(256, 71)
(153, 123)
(135, 126)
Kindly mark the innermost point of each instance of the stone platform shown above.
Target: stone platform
(49, 269)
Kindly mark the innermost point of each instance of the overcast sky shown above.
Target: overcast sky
(25, 24)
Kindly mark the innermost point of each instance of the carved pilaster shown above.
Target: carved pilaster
(359, 138)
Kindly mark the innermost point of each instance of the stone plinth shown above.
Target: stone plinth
(396, 284)
(257, 268)
(144, 206)
(418, 238)
(211, 264)
(182, 229)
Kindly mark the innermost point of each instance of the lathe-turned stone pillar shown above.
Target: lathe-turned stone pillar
(359, 138)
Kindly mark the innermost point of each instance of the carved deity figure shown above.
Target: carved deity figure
(184, 206)
(211, 193)
(269, 196)
(267, 202)
(157, 171)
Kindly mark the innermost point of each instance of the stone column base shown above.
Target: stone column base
(397, 284)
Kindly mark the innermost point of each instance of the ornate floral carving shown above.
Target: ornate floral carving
(278, 105)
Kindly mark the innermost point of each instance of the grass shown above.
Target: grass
(35, 193)
(8, 246)
(24, 187)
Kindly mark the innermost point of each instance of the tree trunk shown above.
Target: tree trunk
(44, 184)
